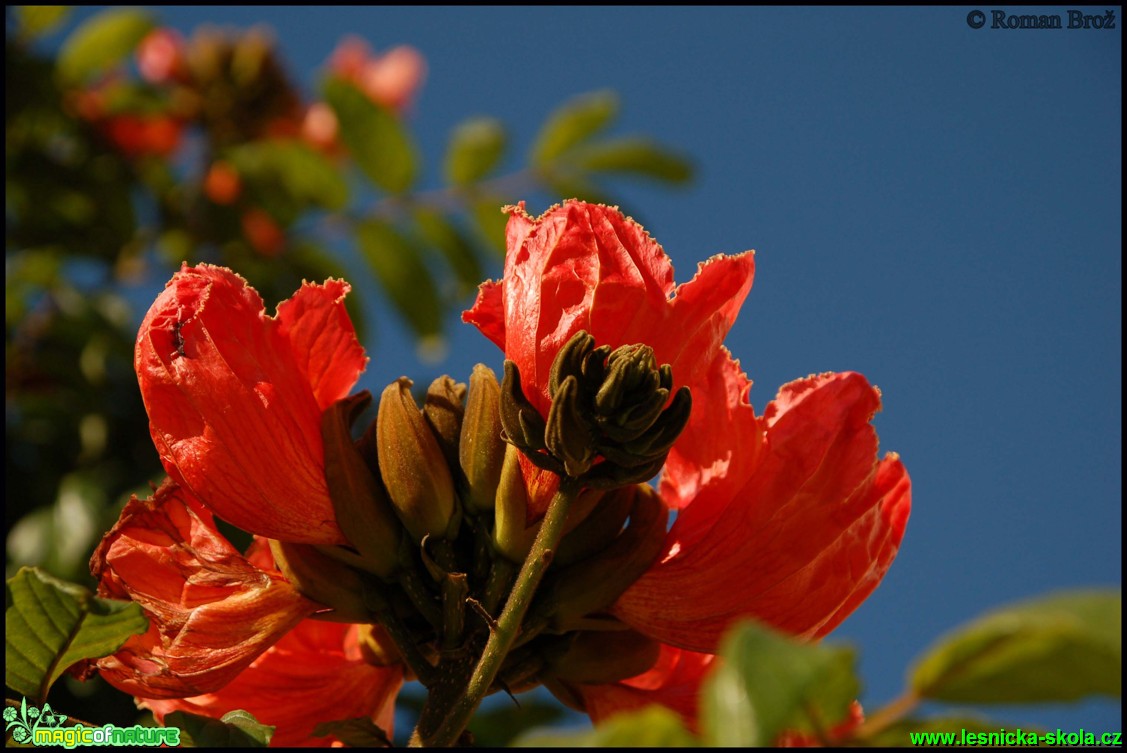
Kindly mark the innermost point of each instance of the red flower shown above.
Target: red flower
(161, 57)
(211, 611)
(793, 506)
(143, 135)
(235, 397)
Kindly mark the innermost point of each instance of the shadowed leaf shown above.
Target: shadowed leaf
(49, 625)
(1055, 648)
(101, 42)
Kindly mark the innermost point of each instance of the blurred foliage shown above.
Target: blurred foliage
(132, 149)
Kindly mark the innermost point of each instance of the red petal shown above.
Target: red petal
(312, 675)
(807, 528)
(488, 312)
(674, 682)
(211, 612)
(232, 408)
(722, 431)
(323, 340)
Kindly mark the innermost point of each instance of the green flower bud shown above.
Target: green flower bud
(481, 451)
(412, 464)
(510, 536)
(362, 509)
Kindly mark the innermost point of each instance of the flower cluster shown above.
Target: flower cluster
(391, 556)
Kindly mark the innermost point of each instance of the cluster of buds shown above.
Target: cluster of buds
(432, 501)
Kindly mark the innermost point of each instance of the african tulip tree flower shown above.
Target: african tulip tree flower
(211, 611)
(315, 673)
(235, 397)
(788, 517)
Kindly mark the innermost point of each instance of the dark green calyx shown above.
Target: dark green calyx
(613, 419)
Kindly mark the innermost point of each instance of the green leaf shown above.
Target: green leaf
(572, 123)
(497, 727)
(898, 734)
(399, 267)
(570, 185)
(237, 729)
(475, 148)
(1055, 648)
(303, 172)
(653, 727)
(635, 155)
(49, 625)
(490, 221)
(102, 42)
(458, 251)
(37, 20)
(377, 139)
(768, 683)
(361, 732)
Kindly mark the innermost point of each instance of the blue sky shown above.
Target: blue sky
(935, 206)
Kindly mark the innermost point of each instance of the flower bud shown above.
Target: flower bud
(322, 579)
(510, 536)
(598, 529)
(593, 584)
(604, 403)
(376, 646)
(363, 510)
(481, 451)
(443, 410)
(603, 656)
(412, 464)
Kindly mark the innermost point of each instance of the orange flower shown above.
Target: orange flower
(794, 505)
(235, 397)
(211, 611)
(222, 183)
(262, 231)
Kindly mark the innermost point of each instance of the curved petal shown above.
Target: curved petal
(211, 612)
(314, 674)
(320, 334)
(674, 682)
(235, 397)
(808, 527)
(587, 266)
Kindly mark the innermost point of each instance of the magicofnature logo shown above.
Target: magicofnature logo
(34, 726)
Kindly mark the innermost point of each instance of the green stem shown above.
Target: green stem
(453, 720)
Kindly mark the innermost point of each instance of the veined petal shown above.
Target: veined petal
(586, 266)
(235, 397)
(322, 339)
(211, 612)
(674, 682)
(314, 674)
(808, 529)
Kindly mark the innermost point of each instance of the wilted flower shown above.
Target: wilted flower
(788, 517)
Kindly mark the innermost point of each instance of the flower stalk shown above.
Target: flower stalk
(442, 726)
